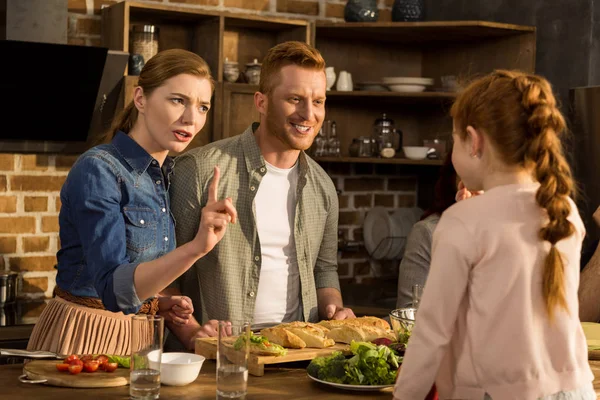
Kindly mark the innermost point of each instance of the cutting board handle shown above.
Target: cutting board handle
(24, 379)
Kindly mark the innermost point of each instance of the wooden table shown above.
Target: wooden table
(277, 384)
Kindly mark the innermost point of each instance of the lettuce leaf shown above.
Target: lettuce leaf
(370, 364)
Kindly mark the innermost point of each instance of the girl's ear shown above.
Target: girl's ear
(477, 141)
(139, 100)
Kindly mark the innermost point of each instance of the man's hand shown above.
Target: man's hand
(177, 309)
(334, 312)
(464, 193)
(210, 329)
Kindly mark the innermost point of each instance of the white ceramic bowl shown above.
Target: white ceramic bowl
(179, 369)
(407, 88)
(415, 152)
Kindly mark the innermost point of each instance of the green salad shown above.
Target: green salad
(370, 364)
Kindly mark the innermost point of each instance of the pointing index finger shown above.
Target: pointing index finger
(214, 184)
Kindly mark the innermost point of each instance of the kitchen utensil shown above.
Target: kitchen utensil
(404, 88)
(330, 77)
(35, 354)
(8, 287)
(179, 369)
(44, 371)
(383, 133)
(378, 231)
(146, 354)
(232, 361)
(403, 320)
(408, 10)
(252, 72)
(344, 82)
(207, 347)
(231, 71)
(415, 152)
(407, 80)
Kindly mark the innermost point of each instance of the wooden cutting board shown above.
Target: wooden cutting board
(592, 335)
(46, 369)
(207, 347)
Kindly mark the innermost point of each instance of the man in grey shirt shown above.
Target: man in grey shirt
(225, 284)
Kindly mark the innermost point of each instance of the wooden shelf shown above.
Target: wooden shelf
(373, 160)
(419, 32)
(421, 97)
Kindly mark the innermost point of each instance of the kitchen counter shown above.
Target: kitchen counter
(277, 383)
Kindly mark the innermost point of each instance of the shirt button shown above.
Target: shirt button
(262, 169)
(142, 221)
(252, 188)
(256, 258)
(164, 210)
(166, 239)
(154, 162)
(251, 294)
(158, 182)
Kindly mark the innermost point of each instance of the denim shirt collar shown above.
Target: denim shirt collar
(253, 155)
(134, 154)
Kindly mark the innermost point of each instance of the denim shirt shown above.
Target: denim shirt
(115, 214)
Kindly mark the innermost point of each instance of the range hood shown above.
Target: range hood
(51, 95)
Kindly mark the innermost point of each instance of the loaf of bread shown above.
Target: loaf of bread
(298, 335)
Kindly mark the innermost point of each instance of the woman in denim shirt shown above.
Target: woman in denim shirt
(116, 230)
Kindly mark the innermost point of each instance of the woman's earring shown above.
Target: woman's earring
(475, 155)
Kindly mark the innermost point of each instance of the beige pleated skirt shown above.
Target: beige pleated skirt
(69, 328)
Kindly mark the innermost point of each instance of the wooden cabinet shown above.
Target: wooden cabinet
(213, 36)
(371, 51)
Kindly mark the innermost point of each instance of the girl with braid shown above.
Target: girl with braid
(499, 314)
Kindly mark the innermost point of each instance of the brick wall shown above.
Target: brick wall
(30, 184)
(29, 205)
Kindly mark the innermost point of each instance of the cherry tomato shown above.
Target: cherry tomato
(110, 367)
(102, 359)
(76, 362)
(90, 366)
(74, 369)
(62, 367)
(87, 357)
(71, 358)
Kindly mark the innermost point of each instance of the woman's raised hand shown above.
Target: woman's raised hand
(216, 215)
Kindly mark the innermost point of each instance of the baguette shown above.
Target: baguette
(362, 321)
(283, 337)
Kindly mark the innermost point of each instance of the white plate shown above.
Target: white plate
(405, 80)
(377, 227)
(362, 388)
(406, 88)
(403, 218)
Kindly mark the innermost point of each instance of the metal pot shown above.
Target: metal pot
(8, 287)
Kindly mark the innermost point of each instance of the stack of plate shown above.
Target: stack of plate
(385, 232)
(407, 84)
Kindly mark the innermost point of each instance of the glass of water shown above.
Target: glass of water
(417, 292)
(146, 354)
(232, 360)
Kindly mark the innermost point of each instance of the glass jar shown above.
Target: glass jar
(252, 72)
(383, 133)
(144, 41)
(365, 149)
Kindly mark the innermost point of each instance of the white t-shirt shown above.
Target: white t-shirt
(278, 294)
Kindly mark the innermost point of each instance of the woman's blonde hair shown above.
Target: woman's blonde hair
(519, 115)
(163, 66)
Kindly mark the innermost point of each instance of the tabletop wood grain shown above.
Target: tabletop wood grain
(283, 382)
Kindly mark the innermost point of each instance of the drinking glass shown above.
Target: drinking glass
(146, 354)
(417, 292)
(232, 360)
